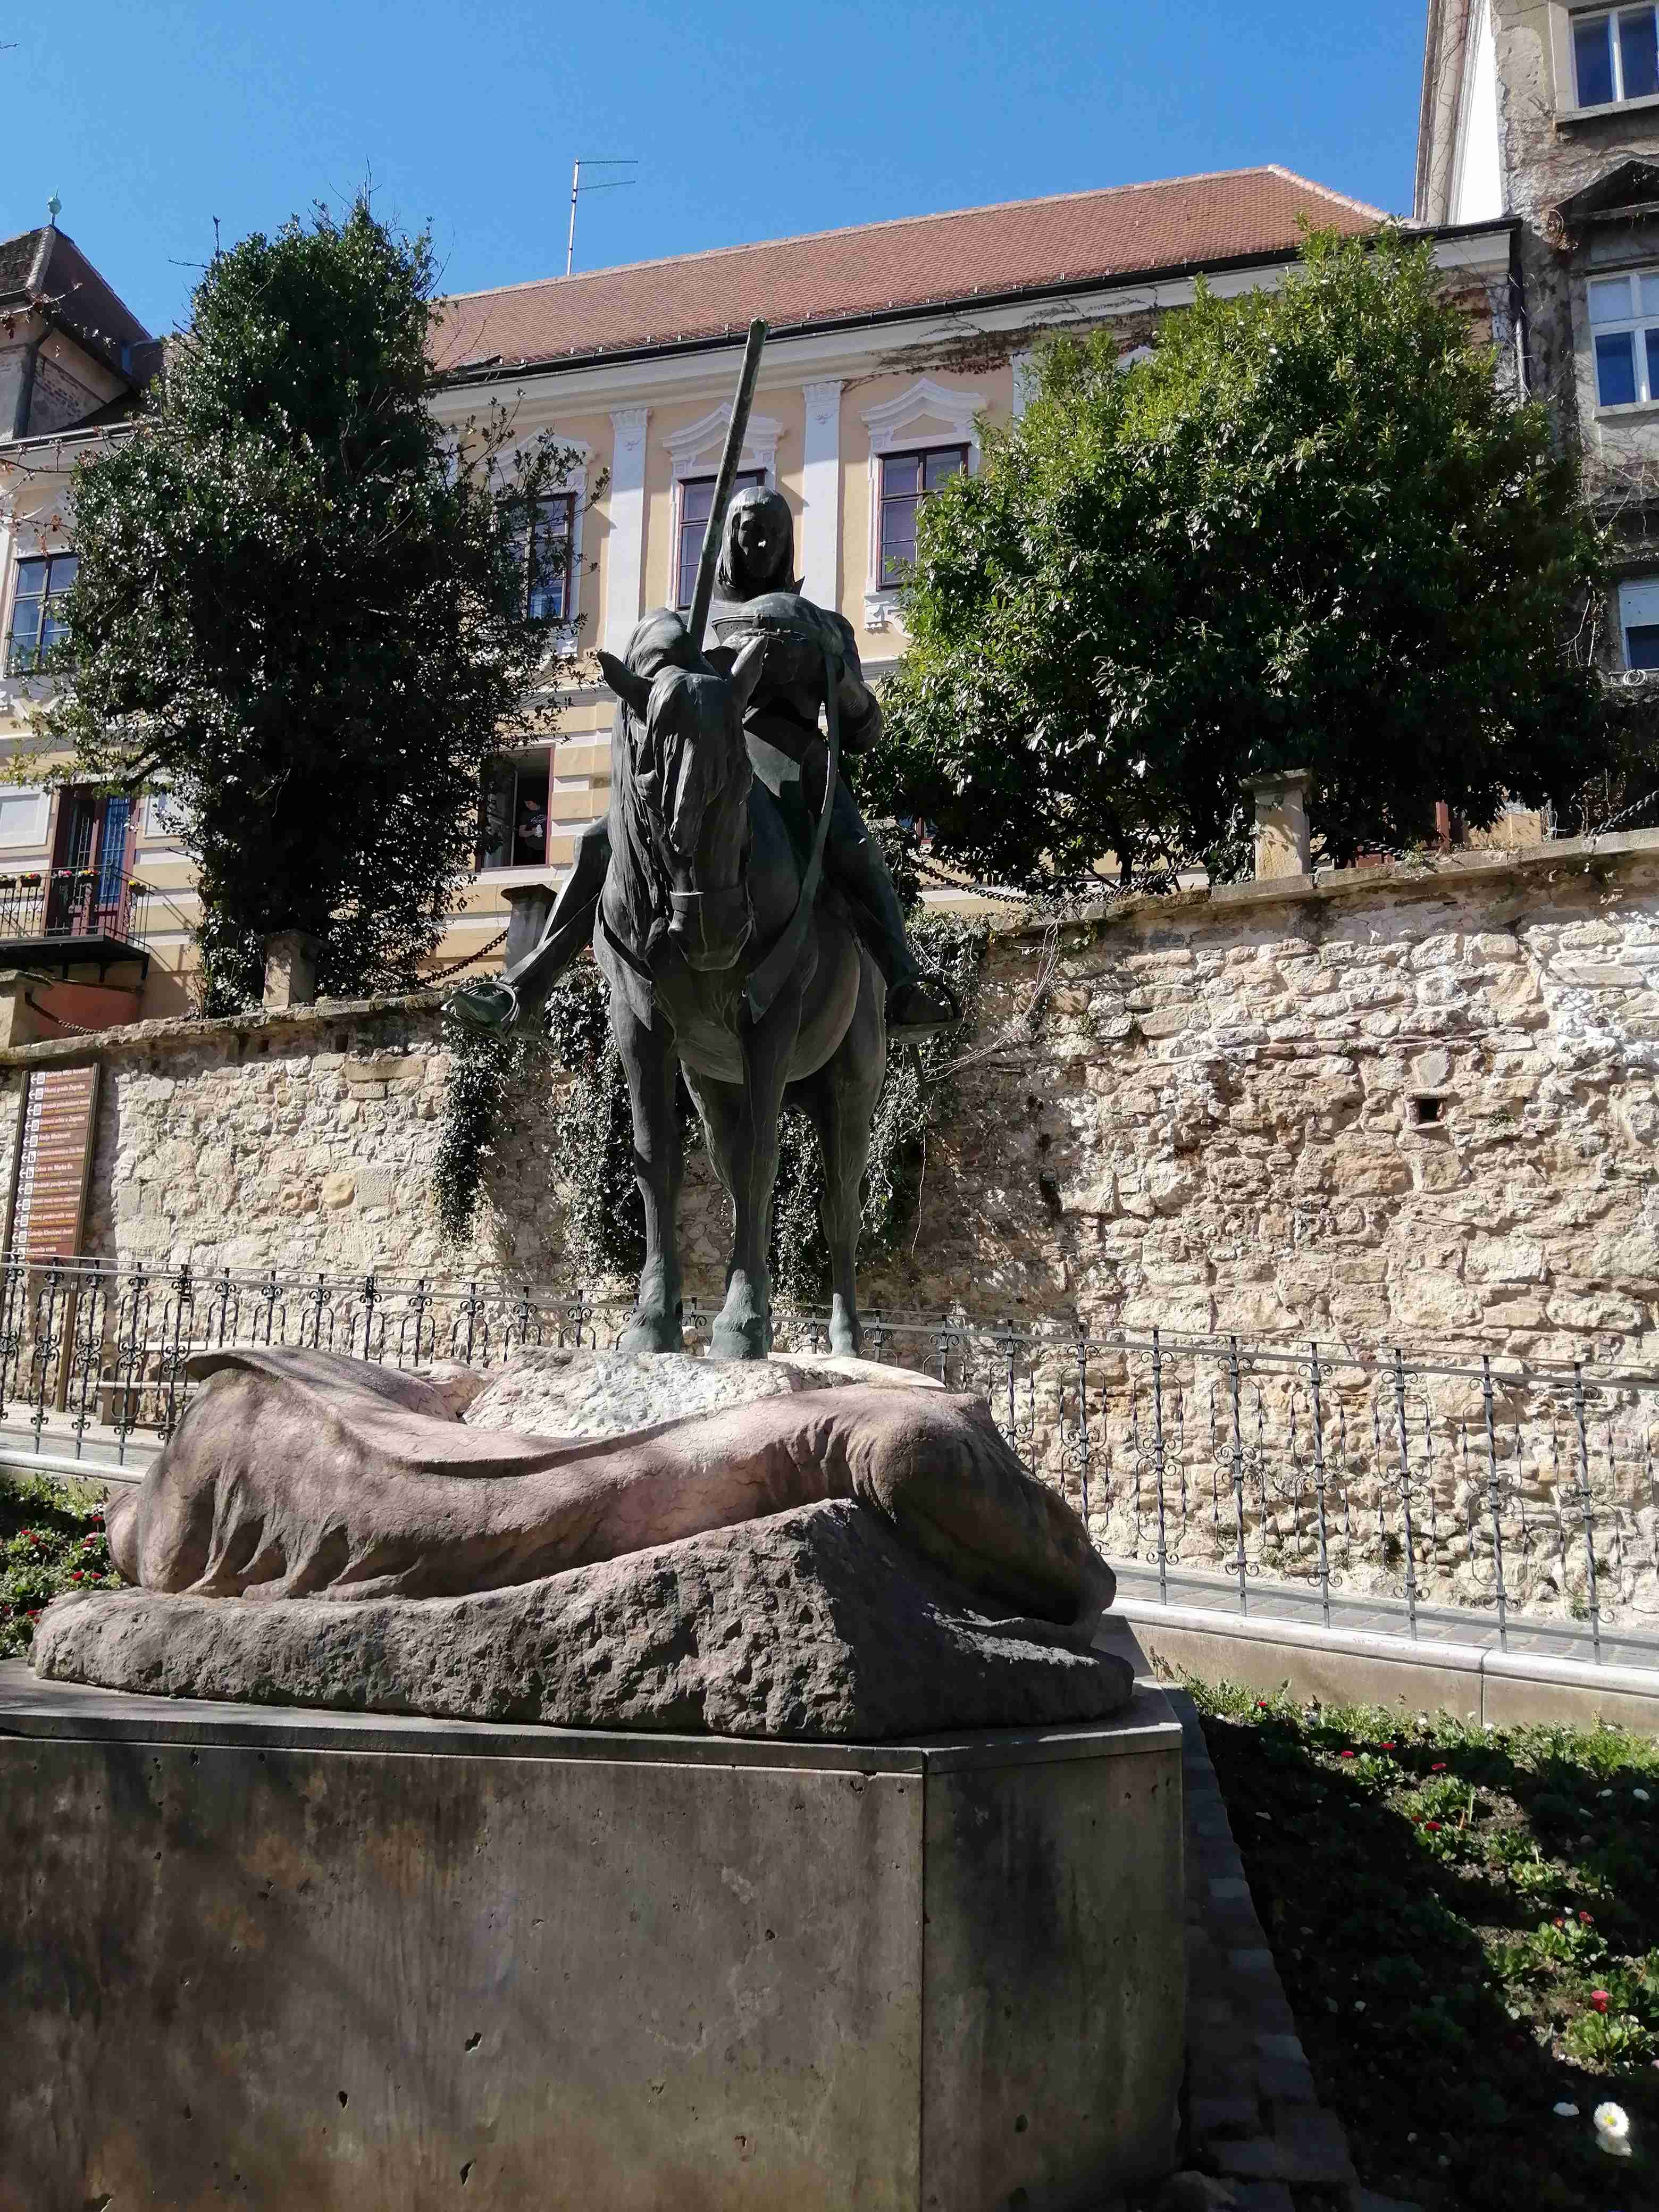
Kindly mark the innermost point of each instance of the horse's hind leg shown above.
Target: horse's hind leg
(742, 1123)
(842, 1100)
(651, 1063)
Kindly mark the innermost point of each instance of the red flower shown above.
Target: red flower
(1599, 1999)
(1558, 1924)
(1430, 1824)
(1585, 1917)
(1387, 1746)
(1348, 1754)
(1439, 1766)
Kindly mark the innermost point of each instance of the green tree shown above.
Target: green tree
(1310, 530)
(305, 605)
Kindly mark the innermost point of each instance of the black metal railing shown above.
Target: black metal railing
(1486, 1484)
(73, 902)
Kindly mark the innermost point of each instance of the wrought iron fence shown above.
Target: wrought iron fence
(73, 902)
(1479, 1482)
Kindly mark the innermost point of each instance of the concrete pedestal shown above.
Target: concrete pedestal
(287, 1958)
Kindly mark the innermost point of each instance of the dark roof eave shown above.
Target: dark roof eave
(1487, 224)
(915, 311)
(10, 447)
(104, 350)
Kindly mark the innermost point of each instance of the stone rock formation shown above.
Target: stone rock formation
(815, 1623)
(804, 1556)
(552, 1390)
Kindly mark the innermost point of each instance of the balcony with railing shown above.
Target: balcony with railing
(70, 918)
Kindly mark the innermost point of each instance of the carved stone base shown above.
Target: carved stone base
(328, 1962)
(817, 1623)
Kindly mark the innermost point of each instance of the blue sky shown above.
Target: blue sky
(151, 118)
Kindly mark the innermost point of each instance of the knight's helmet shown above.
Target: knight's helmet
(734, 578)
(763, 598)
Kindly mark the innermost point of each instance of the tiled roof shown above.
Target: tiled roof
(1023, 246)
(48, 265)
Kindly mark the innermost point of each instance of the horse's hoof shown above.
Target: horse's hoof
(651, 1333)
(740, 1340)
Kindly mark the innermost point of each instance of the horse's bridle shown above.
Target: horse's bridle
(696, 910)
(766, 979)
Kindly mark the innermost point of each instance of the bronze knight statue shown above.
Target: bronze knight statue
(739, 910)
(756, 596)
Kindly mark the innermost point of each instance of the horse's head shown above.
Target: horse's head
(689, 779)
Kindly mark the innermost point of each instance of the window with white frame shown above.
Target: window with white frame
(696, 504)
(166, 814)
(1615, 55)
(549, 558)
(37, 610)
(23, 818)
(1638, 621)
(1623, 315)
(513, 811)
(906, 480)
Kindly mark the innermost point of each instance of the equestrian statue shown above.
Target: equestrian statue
(738, 908)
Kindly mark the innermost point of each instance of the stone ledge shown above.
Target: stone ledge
(1625, 851)
(75, 1713)
(1345, 1666)
(175, 1029)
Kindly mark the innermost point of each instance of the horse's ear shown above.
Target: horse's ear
(633, 690)
(746, 671)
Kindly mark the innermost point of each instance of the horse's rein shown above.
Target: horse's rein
(767, 978)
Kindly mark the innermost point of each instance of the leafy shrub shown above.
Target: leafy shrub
(52, 1540)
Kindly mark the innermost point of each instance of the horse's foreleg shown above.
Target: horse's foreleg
(745, 1129)
(842, 1100)
(651, 1062)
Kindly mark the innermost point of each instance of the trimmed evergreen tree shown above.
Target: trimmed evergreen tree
(303, 605)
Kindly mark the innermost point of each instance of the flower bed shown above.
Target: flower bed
(1466, 1925)
(51, 1540)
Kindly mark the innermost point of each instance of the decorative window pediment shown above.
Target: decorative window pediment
(925, 408)
(696, 450)
(926, 416)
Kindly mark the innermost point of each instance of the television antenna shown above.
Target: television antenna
(610, 184)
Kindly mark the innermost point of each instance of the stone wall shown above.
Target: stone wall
(1391, 1106)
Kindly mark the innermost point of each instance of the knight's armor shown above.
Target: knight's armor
(808, 646)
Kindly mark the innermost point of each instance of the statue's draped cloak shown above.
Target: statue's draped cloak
(302, 1473)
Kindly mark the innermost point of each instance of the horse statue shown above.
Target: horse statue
(732, 960)
(725, 966)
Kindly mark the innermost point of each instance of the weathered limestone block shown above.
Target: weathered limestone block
(817, 1623)
(551, 1390)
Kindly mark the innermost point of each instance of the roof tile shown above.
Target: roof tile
(1022, 246)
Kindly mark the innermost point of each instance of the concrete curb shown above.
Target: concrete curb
(1344, 1666)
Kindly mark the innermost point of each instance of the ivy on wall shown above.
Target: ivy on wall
(496, 1082)
(915, 1097)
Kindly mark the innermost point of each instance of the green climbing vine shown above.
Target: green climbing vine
(490, 1076)
(494, 1082)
